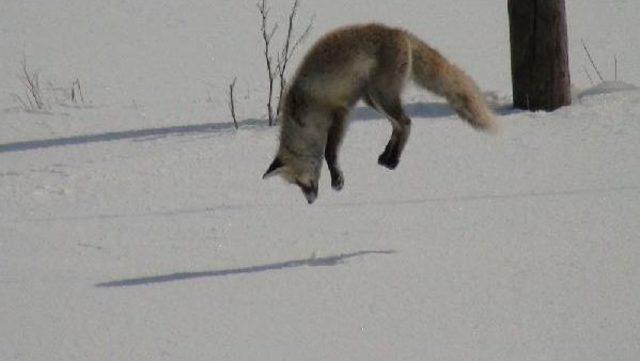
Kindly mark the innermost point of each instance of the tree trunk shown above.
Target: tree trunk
(539, 55)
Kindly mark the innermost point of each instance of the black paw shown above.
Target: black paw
(337, 181)
(388, 161)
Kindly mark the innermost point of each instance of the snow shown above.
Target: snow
(607, 87)
(137, 226)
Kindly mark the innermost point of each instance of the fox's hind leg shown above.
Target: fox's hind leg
(401, 123)
(334, 140)
(383, 92)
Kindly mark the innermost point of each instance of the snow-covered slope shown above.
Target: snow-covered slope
(138, 227)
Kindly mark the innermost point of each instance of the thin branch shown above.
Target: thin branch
(284, 54)
(33, 93)
(279, 69)
(267, 36)
(615, 67)
(591, 60)
(302, 37)
(283, 59)
(74, 86)
(588, 75)
(288, 49)
(232, 106)
(32, 105)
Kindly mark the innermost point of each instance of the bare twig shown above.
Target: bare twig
(588, 75)
(283, 56)
(302, 36)
(75, 94)
(591, 60)
(615, 67)
(33, 94)
(267, 35)
(232, 106)
(288, 49)
(283, 59)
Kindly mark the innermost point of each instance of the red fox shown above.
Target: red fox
(370, 62)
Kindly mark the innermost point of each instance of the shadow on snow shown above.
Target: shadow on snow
(124, 135)
(181, 276)
(416, 110)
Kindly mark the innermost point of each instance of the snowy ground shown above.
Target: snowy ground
(137, 227)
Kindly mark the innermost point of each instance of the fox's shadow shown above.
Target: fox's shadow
(413, 110)
(181, 276)
(428, 110)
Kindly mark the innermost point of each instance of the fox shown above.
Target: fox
(368, 62)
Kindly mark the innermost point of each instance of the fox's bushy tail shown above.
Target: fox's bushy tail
(436, 74)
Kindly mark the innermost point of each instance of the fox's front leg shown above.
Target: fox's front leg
(334, 140)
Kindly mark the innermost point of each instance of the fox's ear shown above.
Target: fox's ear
(274, 168)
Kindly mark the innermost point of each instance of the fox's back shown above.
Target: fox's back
(343, 60)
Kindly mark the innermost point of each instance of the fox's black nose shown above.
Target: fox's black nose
(311, 196)
(310, 191)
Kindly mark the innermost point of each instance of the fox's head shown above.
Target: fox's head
(300, 154)
(303, 173)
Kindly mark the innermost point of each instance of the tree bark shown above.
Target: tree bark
(539, 55)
